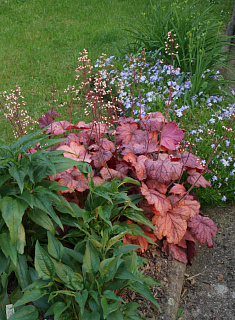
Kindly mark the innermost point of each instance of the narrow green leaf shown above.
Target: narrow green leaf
(117, 315)
(125, 274)
(150, 281)
(4, 178)
(4, 262)
(96, 243)
(55, 247)
(21, 241)
(41, 218)
(74, 254)
(138, 217)
(27, 196)
(143, 290)
(131, 306)
(59, 307)
(125, 248)
(91, 260)
(22, 271)
(103, 195)
(25, 313)
(62, 163)
(108, 307)
(19, 173)
(105, 213)
(43, 263)
(45, 204)
(12, 213)
(109, 267)
(7, 248)
(81, 299)
(130, 180)
(112, 296)
(31, 295)
(113, 240)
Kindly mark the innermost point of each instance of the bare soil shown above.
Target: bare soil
(209, 288)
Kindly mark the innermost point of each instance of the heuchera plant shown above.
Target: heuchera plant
(150, 151)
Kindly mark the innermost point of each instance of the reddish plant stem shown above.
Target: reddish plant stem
(169, 101)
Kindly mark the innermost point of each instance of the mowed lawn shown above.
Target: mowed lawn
(41, 41)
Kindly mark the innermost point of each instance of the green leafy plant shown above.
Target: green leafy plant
(83, 271)
(198, 35)
(27, 202)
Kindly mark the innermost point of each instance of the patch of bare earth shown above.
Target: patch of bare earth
(209, 289)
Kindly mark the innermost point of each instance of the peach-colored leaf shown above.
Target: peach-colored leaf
(173, 224)
(122, 167)
(67, 179)
(126, 120)
(194, 206)
(130, 158)
(100, 158)
(127, 132)
(58, 127)
(196, 178)
(171, 135)
(203, 229)
(153, 121)
(163, 170)
(140, 167)
(191, 161)
(76, 152)
(140, 148)
(108, 145)
(97, 180)
(154, 184)
(178, 189)
(108, 174)
(160, 201)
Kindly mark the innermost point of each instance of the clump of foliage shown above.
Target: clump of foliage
(65, 259)
(150, 151)
(198, 35)
(83, 271)
(27, 206)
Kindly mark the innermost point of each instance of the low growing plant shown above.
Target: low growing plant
(152, 152)
(82, 271)
(27, 207)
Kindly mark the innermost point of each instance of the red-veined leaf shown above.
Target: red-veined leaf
(175, 252)
(196, 178)
(203, 229)
(58, 127)
(108, 174)
(173, 224)
(178, 189)
(171, 135)
(191, 161)
(160, 201)
(76, 152)
(127, 132)
(163, 170)
(154, 184)
(154, 121)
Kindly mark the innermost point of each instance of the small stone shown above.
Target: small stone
(220, 277)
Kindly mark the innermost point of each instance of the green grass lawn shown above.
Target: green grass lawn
(41, 41)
